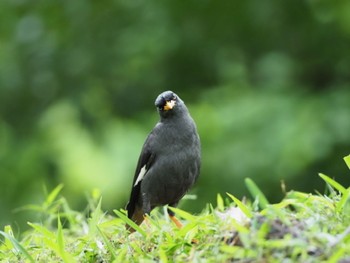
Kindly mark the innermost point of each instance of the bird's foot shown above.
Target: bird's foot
(176, 221)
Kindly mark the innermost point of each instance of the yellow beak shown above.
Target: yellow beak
(169, 105)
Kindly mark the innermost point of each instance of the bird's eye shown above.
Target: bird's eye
(174, 97)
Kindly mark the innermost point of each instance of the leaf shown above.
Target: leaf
(52, 196)
(230, 249)
(347, 160)
(343, 202)
(163, 256)
(256, 193)
(111, 249)
(66, 257)
(130, 222)
(220, 202)
(48, 238)
(8, 230)
(18, 246)
(60, 238)
(121, 256)
(333, 183)
(95, 218)
(35, 208)
(44, 231)
(241, 206)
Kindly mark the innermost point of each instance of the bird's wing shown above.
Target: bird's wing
(144, 163)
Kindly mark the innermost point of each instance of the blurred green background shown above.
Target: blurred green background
(266, 81)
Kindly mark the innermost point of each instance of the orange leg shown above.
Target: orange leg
(179, 225)
(176, 221)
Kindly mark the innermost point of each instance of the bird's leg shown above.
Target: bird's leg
(179, 224)
(174, 219)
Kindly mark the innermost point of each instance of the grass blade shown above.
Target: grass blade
(256, 193)
(17, 245)
(44, 231)
(343, 204)
(111, 249)
(60, 238)
(182, 213)
(96, 216)
(220, 202)
(52, 196)
(130, 222)
(333, 183)
(66, 257)
(241, 206)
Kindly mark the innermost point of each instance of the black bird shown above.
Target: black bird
(169, 163)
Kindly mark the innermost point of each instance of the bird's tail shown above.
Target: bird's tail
(137, 217)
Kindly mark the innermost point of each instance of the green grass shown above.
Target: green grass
(302, 227)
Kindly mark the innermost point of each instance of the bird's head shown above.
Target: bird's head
(168, 103)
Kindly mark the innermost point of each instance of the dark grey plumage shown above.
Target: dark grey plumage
(169, 163)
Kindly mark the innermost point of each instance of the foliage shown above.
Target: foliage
(267, 83)
(300, 228)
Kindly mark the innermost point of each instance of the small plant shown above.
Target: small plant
(303, 227)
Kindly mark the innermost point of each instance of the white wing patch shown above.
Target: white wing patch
(141, 175)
